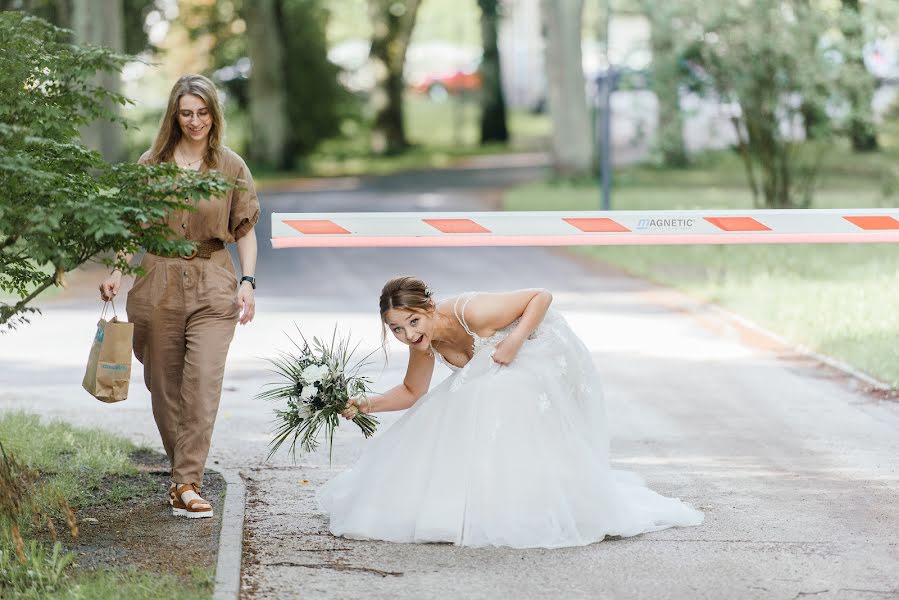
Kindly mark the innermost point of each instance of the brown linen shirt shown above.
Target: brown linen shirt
(227, 218)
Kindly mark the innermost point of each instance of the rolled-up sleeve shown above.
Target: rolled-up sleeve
(244, 205)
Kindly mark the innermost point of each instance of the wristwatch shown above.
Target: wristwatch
(252, 280)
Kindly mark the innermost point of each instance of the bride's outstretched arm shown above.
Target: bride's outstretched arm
(415, 385)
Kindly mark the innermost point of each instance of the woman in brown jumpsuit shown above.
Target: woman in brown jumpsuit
(184, 308)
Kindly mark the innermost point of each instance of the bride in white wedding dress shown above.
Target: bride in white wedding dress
(510, 450)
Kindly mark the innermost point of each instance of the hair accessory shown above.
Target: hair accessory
(427, 291)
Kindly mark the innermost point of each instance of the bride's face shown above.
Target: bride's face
(412, 328)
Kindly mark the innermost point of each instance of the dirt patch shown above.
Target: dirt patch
(131, 524)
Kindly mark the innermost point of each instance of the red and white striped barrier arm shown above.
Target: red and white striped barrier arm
(583, 228)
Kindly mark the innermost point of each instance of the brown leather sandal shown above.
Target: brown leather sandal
(187, 502)
(178, 508)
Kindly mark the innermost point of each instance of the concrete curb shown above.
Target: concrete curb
(227, 569)
(803, 350)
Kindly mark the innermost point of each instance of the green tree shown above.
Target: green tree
(269, 120)
(316, 101)
(757, 57)
(493, 103)
(392, 24)
(60, 13)
(815, 119)
(293, 95)
(667, 43)
(134, 15)
(116, 25)
(860, 89)
(61, 204)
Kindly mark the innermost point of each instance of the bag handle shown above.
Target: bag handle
(105, 306)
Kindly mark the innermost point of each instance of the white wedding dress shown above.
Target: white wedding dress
(514, 455)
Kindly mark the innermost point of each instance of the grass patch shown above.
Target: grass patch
(73, 462)
(455, 123)
(841, 300)
(52, 466)
(126, 583)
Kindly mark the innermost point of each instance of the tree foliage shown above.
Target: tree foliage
(667, 72)
(860, 127)
(316, 102)
(756, 58)
(392, 26)
(493, 102)
(61, 204)
(59, 12)
(790, 72)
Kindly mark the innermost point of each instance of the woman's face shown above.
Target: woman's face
(411, 328)
(194, 118)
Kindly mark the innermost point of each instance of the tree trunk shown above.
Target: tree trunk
(58, 12)
(862, 131)
(743, 149)
(815, 120)
(571, 136)
(666, 84)
(392, 25)
(101, 24)
(493, 103)
(268, 101)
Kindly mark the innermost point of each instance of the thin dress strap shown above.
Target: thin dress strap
(460, 314)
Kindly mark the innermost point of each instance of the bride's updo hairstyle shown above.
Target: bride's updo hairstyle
(404, 293)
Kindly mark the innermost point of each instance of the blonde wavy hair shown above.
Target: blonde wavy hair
(170, 132)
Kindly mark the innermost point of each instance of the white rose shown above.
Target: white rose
(314, 373)
(304, 412)
(308, 392)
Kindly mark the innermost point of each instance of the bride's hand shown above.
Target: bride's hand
(354, 407)
(506, 351)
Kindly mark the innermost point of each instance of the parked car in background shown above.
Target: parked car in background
(440, 85)
(438, 69)
(451, 82)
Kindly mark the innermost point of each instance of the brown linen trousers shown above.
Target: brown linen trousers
(184, 313)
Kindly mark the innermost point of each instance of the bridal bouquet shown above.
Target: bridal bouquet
(317, 383)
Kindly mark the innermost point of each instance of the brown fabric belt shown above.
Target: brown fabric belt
(202, 249)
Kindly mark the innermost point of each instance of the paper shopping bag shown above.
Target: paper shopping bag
(109, 364)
